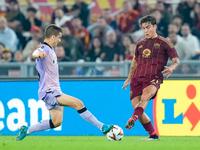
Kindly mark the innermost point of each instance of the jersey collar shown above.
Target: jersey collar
(47, 44)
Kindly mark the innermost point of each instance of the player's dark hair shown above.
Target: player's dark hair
(150, 19)
(52, 29)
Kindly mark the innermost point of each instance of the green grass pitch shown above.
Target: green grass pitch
(97, 143)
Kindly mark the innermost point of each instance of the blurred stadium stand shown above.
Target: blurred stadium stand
(188, 68)
(90, 69)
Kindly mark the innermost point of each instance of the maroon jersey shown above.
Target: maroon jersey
(152, 55)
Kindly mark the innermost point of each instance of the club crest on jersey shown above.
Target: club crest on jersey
(157, 46)
(146, 53)
(41, 47)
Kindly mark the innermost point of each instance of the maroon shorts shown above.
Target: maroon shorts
(137, 85)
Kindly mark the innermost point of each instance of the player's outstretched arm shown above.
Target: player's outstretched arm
(168, 70)
(38, 54)
(132, 69)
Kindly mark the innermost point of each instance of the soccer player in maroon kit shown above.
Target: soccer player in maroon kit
(146, 72)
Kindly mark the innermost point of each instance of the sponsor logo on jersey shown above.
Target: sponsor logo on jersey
(140, 46)
(146, 52)
(54, 61)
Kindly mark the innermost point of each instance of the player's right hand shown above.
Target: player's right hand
(42, 54)
(126, 83)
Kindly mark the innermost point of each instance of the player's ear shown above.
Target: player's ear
(155, 26)
(53, 36)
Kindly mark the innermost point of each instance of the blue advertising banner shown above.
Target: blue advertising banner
(19, 105)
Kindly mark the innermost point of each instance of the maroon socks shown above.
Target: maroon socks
(137, 113)
(149, 128)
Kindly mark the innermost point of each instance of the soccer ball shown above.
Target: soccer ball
(115, 134)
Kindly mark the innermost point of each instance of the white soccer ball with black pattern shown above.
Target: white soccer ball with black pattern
(115, 134)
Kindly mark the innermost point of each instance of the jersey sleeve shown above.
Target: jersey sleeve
(133, 57)
(171, 51)
(42, 48)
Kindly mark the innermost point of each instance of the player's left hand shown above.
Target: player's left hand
(168, 71)
(126, 83)
(42, 54)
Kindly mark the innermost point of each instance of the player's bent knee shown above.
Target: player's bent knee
(54, 124)
(58, 123)
(79, 105)
(145, 97)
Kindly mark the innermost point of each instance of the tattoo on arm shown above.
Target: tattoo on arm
(175, 63)
(175, 60)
